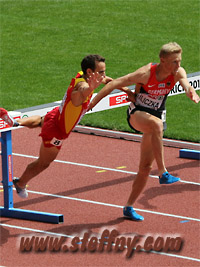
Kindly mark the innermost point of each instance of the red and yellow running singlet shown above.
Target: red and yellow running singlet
(70, 115)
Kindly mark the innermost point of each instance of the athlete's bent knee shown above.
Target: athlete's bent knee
(157, 126)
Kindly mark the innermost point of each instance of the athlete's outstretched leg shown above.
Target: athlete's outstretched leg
(31, 122)
(146, 159)
(47, 155)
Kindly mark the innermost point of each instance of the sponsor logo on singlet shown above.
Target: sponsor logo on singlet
(163, 91)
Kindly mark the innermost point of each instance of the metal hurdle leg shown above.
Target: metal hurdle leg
(7, 173)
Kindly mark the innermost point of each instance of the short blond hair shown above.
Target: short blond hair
(170, 48)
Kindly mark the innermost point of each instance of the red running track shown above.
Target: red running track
(91, 199)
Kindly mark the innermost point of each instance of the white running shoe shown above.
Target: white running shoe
(22, 192)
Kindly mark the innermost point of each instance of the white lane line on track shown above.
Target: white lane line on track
(114, 206)
(97, 167)
(111, 205)
(58, 234)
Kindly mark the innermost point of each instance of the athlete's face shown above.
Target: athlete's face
(100, 69)
(172, 63)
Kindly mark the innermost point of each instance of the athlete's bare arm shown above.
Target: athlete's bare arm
(189, 90)
(139, 76)
(83, 89)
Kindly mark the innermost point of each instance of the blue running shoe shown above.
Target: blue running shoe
(131, 214)
(167, 178)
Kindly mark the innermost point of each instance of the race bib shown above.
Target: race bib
(56, 142)
(152, 102)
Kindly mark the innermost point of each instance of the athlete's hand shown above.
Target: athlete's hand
(94, 80)
(131, 96)
(106, 80)
(194, 97)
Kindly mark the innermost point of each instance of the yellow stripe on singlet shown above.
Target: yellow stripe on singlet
(72, 114)
(78, 80)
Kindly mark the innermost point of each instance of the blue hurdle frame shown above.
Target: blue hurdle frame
(7, 174)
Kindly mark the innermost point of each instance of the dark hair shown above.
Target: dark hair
(90, 61)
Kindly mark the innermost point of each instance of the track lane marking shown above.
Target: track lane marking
(97, 167)
(111, 205)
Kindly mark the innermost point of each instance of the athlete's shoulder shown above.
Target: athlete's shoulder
(146, 68)
(144, 73)
(80, 80)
